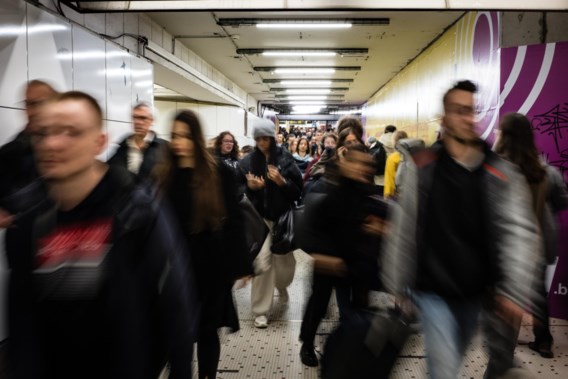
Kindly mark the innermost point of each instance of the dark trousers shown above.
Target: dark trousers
(348, 296)
(541, 323)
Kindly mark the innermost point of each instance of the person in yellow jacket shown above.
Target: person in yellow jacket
(391, 166)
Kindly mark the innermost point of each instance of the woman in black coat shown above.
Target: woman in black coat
(204, 198)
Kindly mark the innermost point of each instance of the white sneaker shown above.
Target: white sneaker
(284, 297)
(261, 322)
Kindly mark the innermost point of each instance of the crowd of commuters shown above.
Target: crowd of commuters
(119, 268)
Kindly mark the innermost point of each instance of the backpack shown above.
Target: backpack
(366, 344)
(380, 157)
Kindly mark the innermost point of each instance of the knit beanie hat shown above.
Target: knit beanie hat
(263, 128)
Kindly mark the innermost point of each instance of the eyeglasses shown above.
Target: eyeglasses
(141, 118)
(462, 110)
(227, 141)
(65, 132)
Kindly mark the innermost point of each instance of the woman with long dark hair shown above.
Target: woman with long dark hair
(516, 144)
(204, 198)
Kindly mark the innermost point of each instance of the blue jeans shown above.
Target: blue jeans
(448, 327)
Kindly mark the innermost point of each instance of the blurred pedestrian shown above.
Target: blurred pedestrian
(204, 197)
(18, 167)
(515, 143)
(96, 289)
(344, 219)
(463, 235)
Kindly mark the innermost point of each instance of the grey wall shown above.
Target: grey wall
(529, 28)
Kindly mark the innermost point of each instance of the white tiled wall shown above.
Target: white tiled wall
(37, 44)
(214, 118)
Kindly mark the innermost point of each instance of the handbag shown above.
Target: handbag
(255, 228)
(283, 235)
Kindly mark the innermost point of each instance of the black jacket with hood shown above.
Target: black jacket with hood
(272, 201)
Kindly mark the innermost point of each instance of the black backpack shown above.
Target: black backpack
(380, 157)
(366, 345)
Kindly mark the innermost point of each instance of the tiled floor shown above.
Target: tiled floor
(274, 352)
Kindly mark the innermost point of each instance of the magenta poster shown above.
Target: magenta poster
(534, 82)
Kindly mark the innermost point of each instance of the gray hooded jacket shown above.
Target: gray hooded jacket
(515, 235)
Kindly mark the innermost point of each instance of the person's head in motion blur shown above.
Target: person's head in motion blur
(458, 120)
(516, 144)
(190, 151)
(350, 122)
(37, 93)
(347, 138)
(67, 139)
(358, 164)
(143, 119)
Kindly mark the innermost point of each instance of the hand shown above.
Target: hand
(6, 219)
(374, 225)
(274, 175)
(326, 264)
(341, 153)
(255, 183)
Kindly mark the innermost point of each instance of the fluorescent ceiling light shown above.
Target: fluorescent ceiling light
(322, 91)
(306, 98)
(299, 53)
(299, 25)
(307, 103)
(306, 70)
(6, 31)
(351, 111)
(306, 82)
(308, 108)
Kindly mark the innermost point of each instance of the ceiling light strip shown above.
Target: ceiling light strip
(332, 89)
(299, 69)
(311, 82)
(304, 52)
(300, 22)
(303, 26)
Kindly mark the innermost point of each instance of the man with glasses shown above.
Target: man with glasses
(97, 288)
(140, 151)
(463, 238)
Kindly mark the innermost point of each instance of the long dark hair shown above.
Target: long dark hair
(516, 144)
(259, 160)
(219, 141)
(207, 199)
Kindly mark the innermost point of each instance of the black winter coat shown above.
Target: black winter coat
(272, 201)
(119, 310)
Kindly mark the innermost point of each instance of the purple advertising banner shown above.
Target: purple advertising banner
(534, 82)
